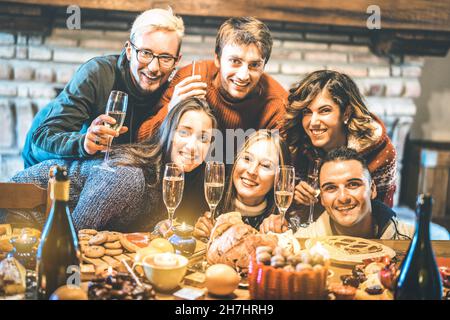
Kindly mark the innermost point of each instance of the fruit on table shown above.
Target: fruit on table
(221, 279)
(162, 245)
(69, 293)
(145, 252)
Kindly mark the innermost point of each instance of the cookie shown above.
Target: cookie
(98, 239)
(113, 236)
(84, 237)
(113, 245)
(94, 251)
(113, 252)
(92, 232)
(83, 243)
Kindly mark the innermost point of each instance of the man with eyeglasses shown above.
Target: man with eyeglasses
(241, 95)
(74, 125)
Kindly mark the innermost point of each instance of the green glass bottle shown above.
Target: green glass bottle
(419, 277)
(58, 252)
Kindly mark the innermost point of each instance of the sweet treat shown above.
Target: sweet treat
(342, 292)
(113, 236)
(94, 251)
(113, 245)
(113, 252)
(84, 237)
(5, 245)
(288, 276)
(99, 239)
(69, 293)
(91, 232)
(119, 287)
(233, 242)
(12, 277)
(348, 250)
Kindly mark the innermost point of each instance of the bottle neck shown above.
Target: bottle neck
(60, 191)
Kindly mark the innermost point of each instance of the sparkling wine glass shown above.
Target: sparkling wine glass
(214, 184)
(284, 187)
(173, 185)
(313, 181)
(117, 109)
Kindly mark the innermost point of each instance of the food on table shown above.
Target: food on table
(5, 229)
(233, 242)
(279, 274)
(372, 280)
(342, 291)
(93, 251)
(12, 277)
(5, 245)
(69, 293)
(445, 276)
(91, 232)
(134, 241)
(348, 250)
(221, 279)
(165, 271)
(162, 245)
(144, 252)
(119, 287)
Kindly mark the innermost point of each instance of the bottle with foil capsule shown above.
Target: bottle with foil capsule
(419, 277)
(58, 254)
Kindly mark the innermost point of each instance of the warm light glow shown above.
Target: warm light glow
(318, 248)
(183, 226)
(165, 260)
(23, 237)
(110, 271)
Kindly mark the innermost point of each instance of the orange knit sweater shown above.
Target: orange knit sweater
(264, 109)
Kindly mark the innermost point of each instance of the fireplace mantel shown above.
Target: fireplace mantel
(414, 27)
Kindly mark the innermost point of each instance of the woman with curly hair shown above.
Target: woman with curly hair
(326, 111)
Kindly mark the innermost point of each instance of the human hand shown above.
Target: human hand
(305, 194)
(203, 226)
(191, 86)
(98, 134)
(274, 223)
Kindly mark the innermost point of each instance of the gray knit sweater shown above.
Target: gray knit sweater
(100, 199)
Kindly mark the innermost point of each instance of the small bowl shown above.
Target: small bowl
(165, 278)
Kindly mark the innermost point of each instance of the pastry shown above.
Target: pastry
(113, 252)
(113, 236)
(84, 237)
(94, 251)
(99, 239)
(5, 245)
(113, 245)
(12, 277)
(91, 232)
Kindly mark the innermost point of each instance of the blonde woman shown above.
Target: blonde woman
(250, 185)
(326, 111)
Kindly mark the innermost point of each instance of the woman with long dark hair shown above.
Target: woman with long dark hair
(129, 199)
(326, 111)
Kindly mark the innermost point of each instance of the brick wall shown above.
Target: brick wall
(34, 67)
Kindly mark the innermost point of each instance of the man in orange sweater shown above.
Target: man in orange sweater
(241, 95)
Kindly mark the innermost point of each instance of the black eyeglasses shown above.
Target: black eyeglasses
(145, 56)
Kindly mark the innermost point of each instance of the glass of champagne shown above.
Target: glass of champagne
(313, 181)
(173, 185)
(214, 184)
(284, 187)
(117, 109)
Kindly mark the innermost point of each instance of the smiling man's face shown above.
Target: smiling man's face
(346, 192)
(240, 67)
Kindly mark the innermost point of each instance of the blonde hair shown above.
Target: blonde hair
(283, 155)
(157, 19)
(245, 31)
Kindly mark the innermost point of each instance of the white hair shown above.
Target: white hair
(157, 19)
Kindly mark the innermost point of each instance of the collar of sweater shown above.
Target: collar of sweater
(133, 92)
(250, 211)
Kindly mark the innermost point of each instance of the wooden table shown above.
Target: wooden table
(441, 249)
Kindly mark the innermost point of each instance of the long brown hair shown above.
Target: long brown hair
(344, 92)
(150, 154)
(283, 155)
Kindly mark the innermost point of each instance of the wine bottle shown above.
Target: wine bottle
(58, 248)
(419, 277)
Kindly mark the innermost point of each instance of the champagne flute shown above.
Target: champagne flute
(173, 185)
(214, 184)
(116, 108)
(313, 181)
(284, 187)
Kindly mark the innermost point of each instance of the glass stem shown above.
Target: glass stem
(171, 213)
(311, 213)
(108, 147)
